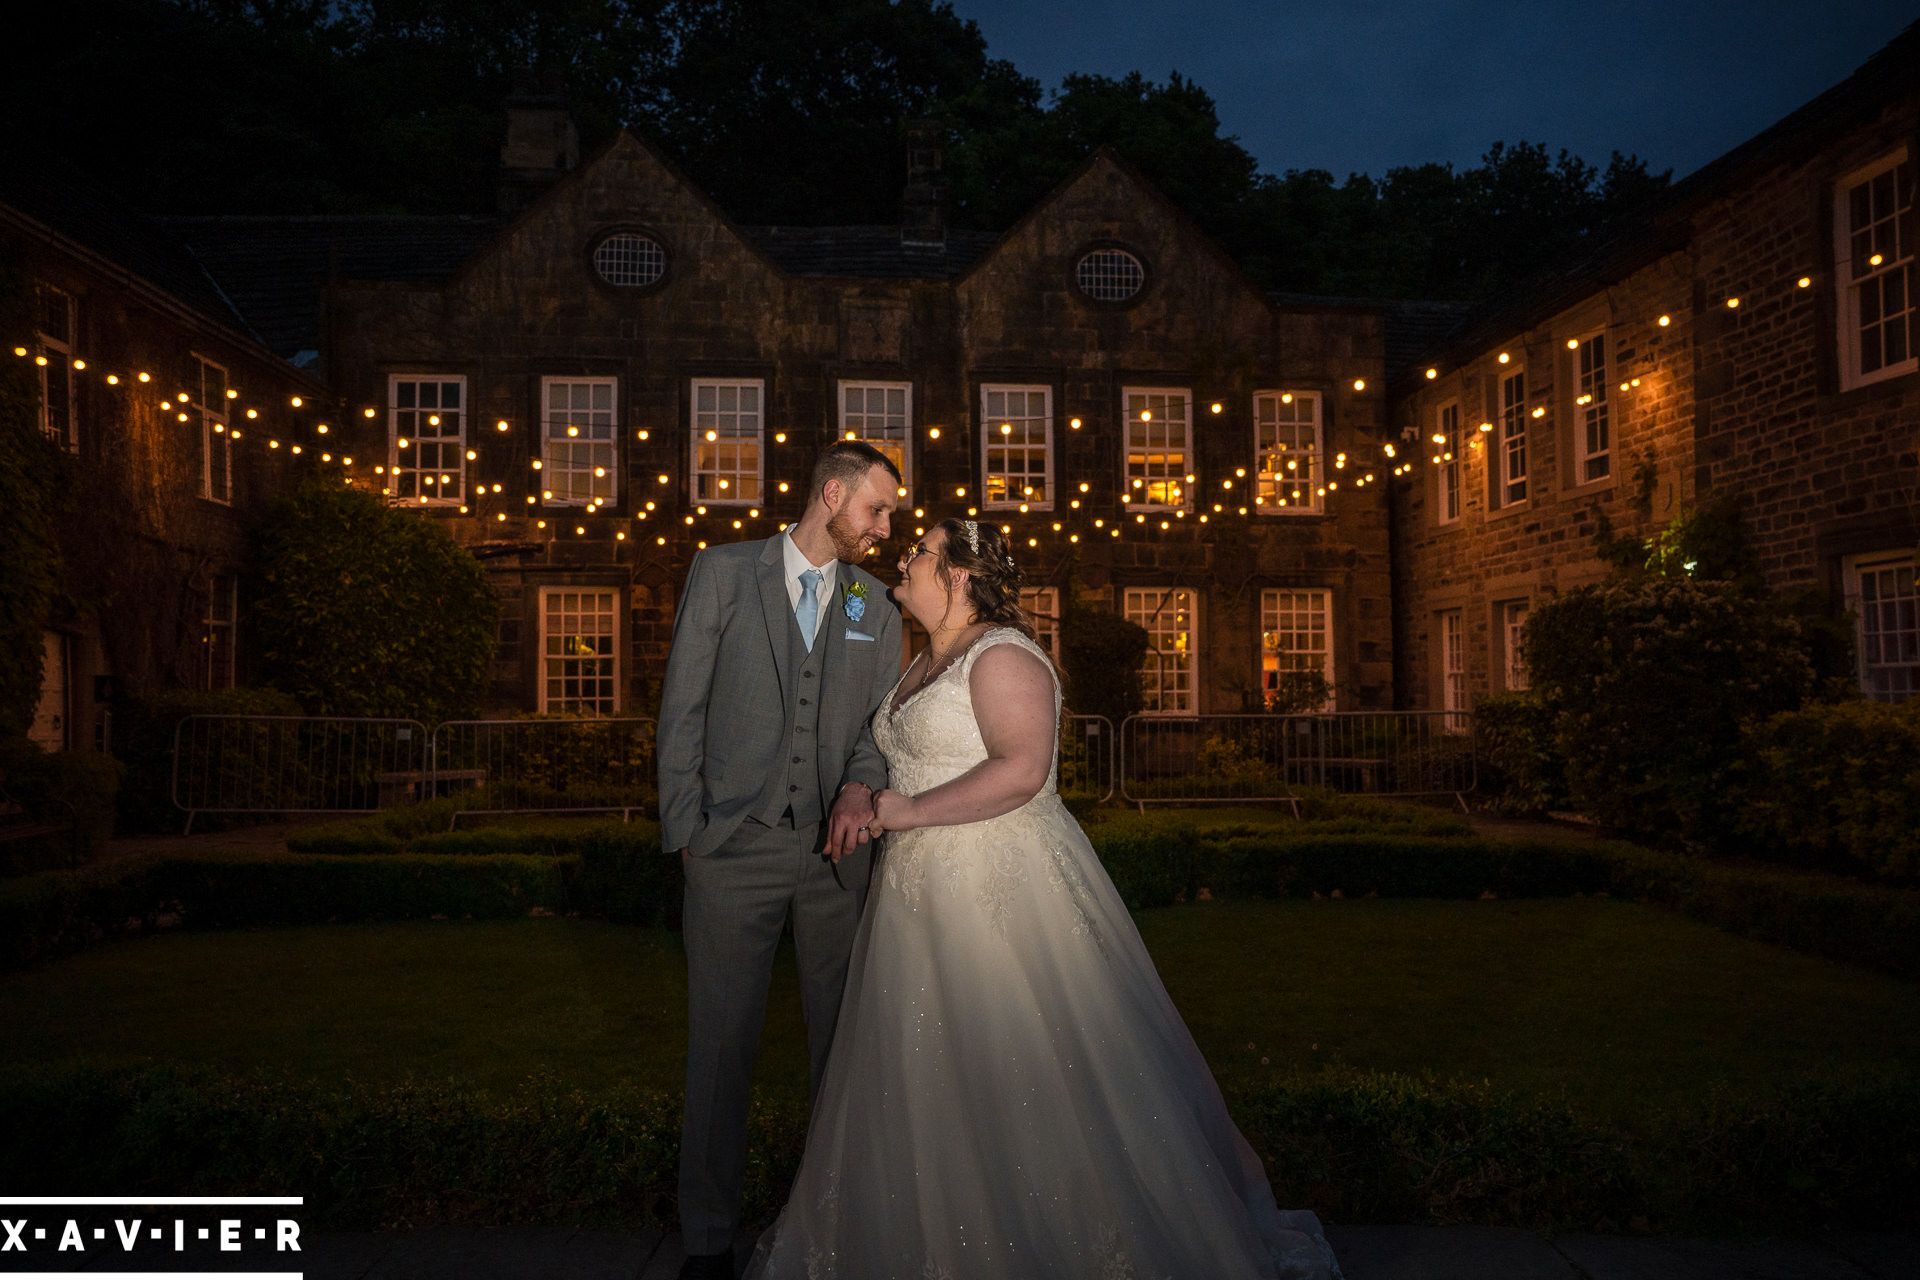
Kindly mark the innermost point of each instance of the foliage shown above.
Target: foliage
(372, 106)
(143, 736)
(1621, 664)
(1835, 786)
(1354, 1146)
(1101, 653)
(31, 468)
(367, 611)
(1520, 769)
(71, 789)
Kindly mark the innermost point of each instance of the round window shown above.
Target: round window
(1109, 275)
(630, 260)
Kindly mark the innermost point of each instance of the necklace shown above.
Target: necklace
(935, 667)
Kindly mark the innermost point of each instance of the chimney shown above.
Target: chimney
(923, 205)
(541, 142)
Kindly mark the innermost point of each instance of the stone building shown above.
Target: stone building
(590, 390)
(1755, 335)
(164, 409)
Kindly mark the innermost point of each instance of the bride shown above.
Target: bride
(1010, 1092)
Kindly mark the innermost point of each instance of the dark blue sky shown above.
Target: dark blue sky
(1355, 86)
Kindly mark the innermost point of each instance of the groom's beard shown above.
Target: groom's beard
(847, 544)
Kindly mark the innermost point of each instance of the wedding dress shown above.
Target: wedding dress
(1010, 1092)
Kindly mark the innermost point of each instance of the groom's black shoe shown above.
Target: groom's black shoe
(707, 1266)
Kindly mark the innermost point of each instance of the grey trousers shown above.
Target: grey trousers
(737, 899)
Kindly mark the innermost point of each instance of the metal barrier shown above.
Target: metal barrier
(545, 766)
(1089, 754)
(1228, 758)
(291, 764)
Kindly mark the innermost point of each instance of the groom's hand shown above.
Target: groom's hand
(847, 824)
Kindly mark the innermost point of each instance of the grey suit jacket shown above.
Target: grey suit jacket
(724, 709)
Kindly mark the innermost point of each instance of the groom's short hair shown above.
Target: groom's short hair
(848, 461)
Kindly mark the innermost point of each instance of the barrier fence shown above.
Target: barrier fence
(339, 764)
(291, 764)
(1224, 758)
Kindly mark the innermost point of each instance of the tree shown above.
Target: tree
(30, 470)
(365, 610)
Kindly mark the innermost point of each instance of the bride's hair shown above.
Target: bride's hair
(993, 579)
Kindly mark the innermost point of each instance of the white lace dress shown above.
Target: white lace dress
(1010, 1091)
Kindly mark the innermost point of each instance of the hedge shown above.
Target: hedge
(617, 871)
(1355, 1147)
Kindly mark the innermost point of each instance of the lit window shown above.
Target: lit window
(1016, 441)
(1166, 673)
(579, 650)
(1883, 593)
(1447, 473)
(881, 414)
(1511, 621)
(428, 411)
(1159, 448)
(57, 337)
(1874, 269)
(578, 440)
(1453, 671)
(1593, 435)
(630, 260)
(216, 448)
(1109, 275)
(1287, 447)
(1510, 461)
(729, 440)
(1296, 647)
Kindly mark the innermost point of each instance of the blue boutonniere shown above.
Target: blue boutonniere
(853, 598)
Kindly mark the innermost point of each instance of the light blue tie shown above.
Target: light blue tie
(809, 610)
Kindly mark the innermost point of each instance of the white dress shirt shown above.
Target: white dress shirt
(797, 564)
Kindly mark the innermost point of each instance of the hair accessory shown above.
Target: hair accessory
(973, 535)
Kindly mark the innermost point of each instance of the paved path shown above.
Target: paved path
(1366, 1253)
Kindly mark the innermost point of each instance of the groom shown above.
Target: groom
(782, 652)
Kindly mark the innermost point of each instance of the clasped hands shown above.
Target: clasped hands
(860, 815)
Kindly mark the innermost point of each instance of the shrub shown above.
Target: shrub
(1353, 1146)
(1836, 786)
(1101, 653)
(143, 736)
(1650, 682)
(1520, 769)
(365, 610)
(74, 789)
(34, 474)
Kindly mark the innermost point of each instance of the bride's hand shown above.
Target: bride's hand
(891, 812)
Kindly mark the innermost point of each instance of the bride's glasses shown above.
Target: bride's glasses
(906, 557)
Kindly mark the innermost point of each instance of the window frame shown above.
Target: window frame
(460, 439)
(1898, 560)
(212, 625)
(1848, 289)
(1128, 417)
(694, 471)
(1512, 658)
(611, 443)
(1269, 609)
(58, 350)
(1315, 503)
(868, 386)
(1510, 424)
(216, 427)
(1031, 599)
(543, 702)
(600, 241)
(1046, 447)
(1450, 626)
(1599, 408)
(1150, 671)
(1448, 496)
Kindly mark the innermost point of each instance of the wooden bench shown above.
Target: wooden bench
(409, 786)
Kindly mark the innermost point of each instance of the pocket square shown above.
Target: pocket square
(859, 635)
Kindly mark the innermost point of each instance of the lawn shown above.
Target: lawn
(1616, 1005)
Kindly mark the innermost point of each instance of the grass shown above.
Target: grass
(1612, 1004)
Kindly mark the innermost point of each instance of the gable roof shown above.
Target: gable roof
(46, 193)
(1661, 226)
(276, 268)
